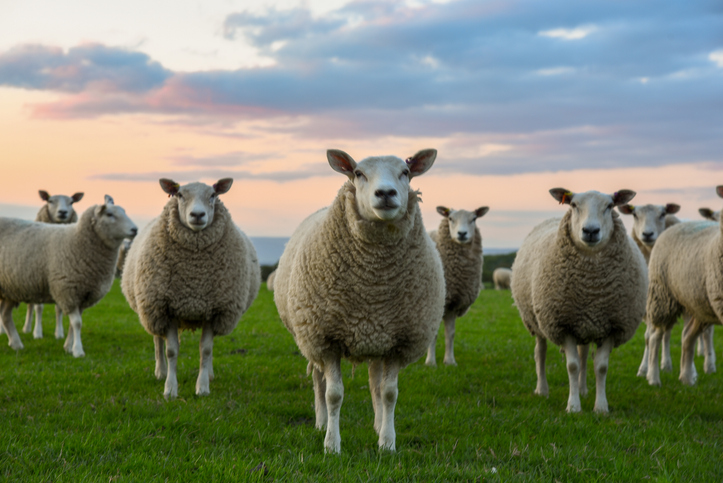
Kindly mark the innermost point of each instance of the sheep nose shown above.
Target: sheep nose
(134, 231)
(62, 213)
(198, 215)
(385, 193)
(591, 231)
(648, 234)
(462, 235)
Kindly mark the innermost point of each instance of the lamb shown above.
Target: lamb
(270, 281)
(190, 268)
(69, 265)
(709, 214)
(57, 209)
(685, 275)
(459, 244)
(578, 280)
(502, 277)
(362, 280)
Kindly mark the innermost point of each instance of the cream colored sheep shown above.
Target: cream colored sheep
(502, 277)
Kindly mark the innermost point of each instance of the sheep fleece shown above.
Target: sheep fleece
(174, 273)
(462, 269)
(360, 289)
(560, 291)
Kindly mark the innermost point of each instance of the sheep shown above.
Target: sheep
(502, 277)
(125, 246)
(685, 275)
(190, 268)
(270, 281)
(362, 280)
(580, 279)
(57, 209)
(709, 214)
(69, 265)
(459, 244)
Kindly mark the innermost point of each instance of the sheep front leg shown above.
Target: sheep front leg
(449, 340)
(6, 313)
(319, 397)
(58, 322)
(431, 352)
(206, 350)
(666, 362)
(161, 368)
(170, 391)
(573, 374)
(376, 368)
(29, 319)
(73, 344)
(653, 375)
(334, 398)
(709, 352)
(38, 332)
(643, 369)
(688, 374)
(583, 351)
(389, 393)
(540, 355)
(602, 356)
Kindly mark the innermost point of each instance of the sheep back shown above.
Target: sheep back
(560, 291)
(175, 274)
(360, 289)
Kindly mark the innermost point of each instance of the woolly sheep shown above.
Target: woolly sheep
(578, 280)
(190, 268)
(459, 244)
(58, 209)
(270, 281)
(685, 275)
(502, 277)
(362, 280)
(69, 265)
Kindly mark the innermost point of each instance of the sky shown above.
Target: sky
(517, 97)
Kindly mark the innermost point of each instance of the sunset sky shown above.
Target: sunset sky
(517, 96)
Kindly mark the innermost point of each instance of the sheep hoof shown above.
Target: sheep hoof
(59, 335)
(38, 336)
(574, 407)
(666, 366)
(654, 381)
(203, 391)
(709, 368)
(688, 380)
(386, 444)
(542, 391)
(332, 445)
(16, 344)
(170, 394)
(450, 363)
(601, 408)
(160, 374)
(79, 353)
(583, 392)
(431, 363)
(643, 371)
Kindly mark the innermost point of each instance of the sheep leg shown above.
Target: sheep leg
(38, 332)
(376, 368)
(707, 342)
(573, 374)
(431, 352)
(58, 322)
(449, 340)
(602, 356)
(583, 351)
(319, 397)
(334, 397)
(206, 350)
(73, 343)
(540, 355)
(688, 374)
(643, 369)
(161, 369)
(389, 393)
(170, 391)
(666, 362)
(6, 313)
(653, 375)
(29, 319)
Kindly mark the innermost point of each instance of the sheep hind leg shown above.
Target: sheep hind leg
(29, 319)
(206, 350)
(540, 354)
(161, 368)
(58, 322)
(6, 313)
(653, 375)
(573, 374)
(376, 368)
(602, 357)
(170, 391)
(319, 397)
(73, 344)
(583, 351)
(334, 398)
(707, 342)
(688, 374)
(38, 332)
(643, 369)
(389, 393)
(666, 362)
(449, 340)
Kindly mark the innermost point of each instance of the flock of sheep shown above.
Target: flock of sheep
(363, 280)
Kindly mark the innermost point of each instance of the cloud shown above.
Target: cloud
(717, 57)
(238, 158)
(576, 33)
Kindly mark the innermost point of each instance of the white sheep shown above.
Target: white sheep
(69, 265)
(686, 275)
(502, 277)
(270, 281)
(578, 280)
(459, 244)
(362, 280)
(190, 268)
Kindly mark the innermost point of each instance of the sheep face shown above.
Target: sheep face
(462, 222)
(649, 220)
(60, 207)
(381, 182)
(112, 224)
(591, 220)
(196, 201)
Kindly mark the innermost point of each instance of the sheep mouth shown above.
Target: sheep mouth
(387, 206)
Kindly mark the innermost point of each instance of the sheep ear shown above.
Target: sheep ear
(562, 195)
(672, 208)
(421, 162)
(77, 197)
(444, 211)
(719, 190)
(223, 186)
(626, 209)
(108, 200)
(706, 213)
(169, 186)
(44, 195)
(341, 162)
(480, 212)
(623, 197)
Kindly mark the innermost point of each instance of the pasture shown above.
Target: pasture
(103, 417)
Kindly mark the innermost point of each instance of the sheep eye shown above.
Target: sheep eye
(405, 173)
(574, 205)
(179, 195)
(359, 174)
(109, 214)
(662, 216)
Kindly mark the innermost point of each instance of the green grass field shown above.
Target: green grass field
(103, 417)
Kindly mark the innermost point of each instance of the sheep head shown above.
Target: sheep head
(649, 220)
(60, 207)
(112, 224)
(381, 182)
(196, 201)
(462, 222)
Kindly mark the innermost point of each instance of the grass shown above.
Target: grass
(103, 417)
